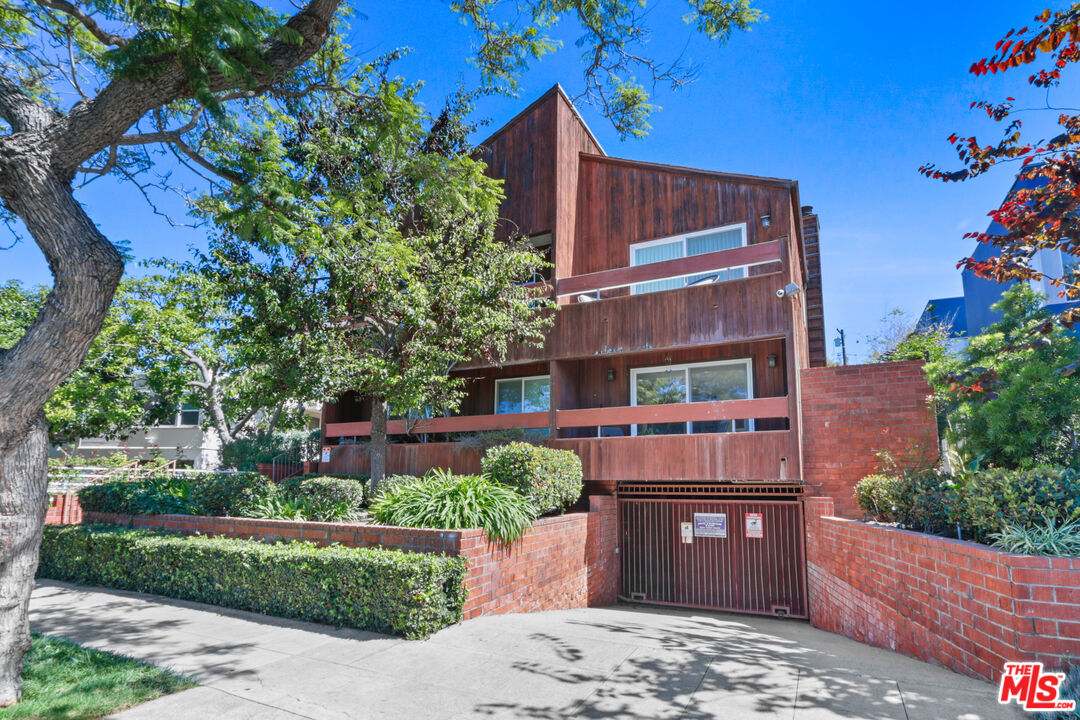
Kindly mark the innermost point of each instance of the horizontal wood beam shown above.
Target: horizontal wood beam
(458, 423)
(756, 254)
(774, 407)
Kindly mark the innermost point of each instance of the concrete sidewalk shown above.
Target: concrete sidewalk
(624, 662)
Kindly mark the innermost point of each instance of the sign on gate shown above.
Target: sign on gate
(754, 525)
(687, 531)
(710, 525)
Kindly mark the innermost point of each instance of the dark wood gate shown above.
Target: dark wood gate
(724, 547)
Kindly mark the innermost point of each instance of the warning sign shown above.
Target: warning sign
(687, 532)
(755, 525)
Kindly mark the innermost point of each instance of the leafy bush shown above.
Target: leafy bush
(985, 502)
(1049, 538)
(876, 496)
(486, 439)
(550, 479)
(246, 452)
(388, 483)
(151, 496)
(455, 502)
(409, 594)
(1069, 690)
(229, 493)
(347, 489)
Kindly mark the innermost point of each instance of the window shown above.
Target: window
(189, 416)
(700, 243)
(699, 382)
(527, 394)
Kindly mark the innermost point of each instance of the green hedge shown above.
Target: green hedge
(217, 494)
(550, 479)
(390, 591)
(979, 504)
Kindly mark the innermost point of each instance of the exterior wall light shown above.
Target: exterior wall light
(772, 361)
(766, 220)
(611, 374)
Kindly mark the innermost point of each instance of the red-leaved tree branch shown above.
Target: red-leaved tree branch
(1043, 212)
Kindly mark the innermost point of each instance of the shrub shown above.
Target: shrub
(409, 594)
(151, 496)
(229, 493)
(876, 496)
(1068, 690)
(550, 479)
(1049, 538)
(985, 502)
(388, 483)
(333, 489)
(244, 453)
(454, 502)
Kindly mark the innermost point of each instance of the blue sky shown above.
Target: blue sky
(847, 98)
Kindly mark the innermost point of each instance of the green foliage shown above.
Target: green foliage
(1004, 400)
(983, 503)
(454, 502)
(347, 489)
(975, 505)
(244, 453)
(484, 440)
(550, 479)
(151, 496)
(229, 493)
(902, 339)
(280, 506)
(389, 483)
(1049, 538)
(68, 681)
(1069, 690)
(409, 594)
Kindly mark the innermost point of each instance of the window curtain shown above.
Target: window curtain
(714, 242)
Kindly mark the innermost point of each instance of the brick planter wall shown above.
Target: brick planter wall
(64, 510)
(966, 606)
(563, 562)
(851, 413)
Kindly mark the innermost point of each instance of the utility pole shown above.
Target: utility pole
(841, 343)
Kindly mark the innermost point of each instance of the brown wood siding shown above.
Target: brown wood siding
(620, 204)
(573, 138)
(523, 156)
(730, 456)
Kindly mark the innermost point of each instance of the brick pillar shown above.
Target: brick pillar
(601, 551)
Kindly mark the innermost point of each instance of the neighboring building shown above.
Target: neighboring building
(969, 314)
(184, 440)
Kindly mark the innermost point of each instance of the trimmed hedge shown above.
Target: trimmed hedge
(150, 496)
(389, 591)
(332, 489)
(228, 493)
(550, 479)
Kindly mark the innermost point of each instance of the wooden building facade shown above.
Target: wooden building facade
(689, 301)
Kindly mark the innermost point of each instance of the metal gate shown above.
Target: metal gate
(734, 547)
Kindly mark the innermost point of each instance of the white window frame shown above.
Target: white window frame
(521, 380)
(683, 238)
(748, 363)
(176, 425)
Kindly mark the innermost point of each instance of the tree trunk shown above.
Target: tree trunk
(379, 411)
(23, 499)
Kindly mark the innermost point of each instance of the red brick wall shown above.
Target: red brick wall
(563, 562)
(968, 607)
(851, 413)
(64, 510)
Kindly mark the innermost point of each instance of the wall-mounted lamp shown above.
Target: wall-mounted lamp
(789, 290)
(611, 374)
(772, 361)
(766, 220)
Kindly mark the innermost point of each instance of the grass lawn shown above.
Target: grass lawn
(62, 680)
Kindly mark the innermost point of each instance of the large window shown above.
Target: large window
(699, 243)
(527, 394)
(699, 382)
(189, 416)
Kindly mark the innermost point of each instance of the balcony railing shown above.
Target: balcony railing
(748, 255)
(771, 407)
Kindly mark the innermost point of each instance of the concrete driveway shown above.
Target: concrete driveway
(620, 662)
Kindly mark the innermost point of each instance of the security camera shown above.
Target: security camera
(788, 290)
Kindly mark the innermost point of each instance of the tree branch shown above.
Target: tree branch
(20, 110)
(87, 22)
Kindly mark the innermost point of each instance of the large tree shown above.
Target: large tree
(87, 86)
(1043, 214)
(369, 247)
